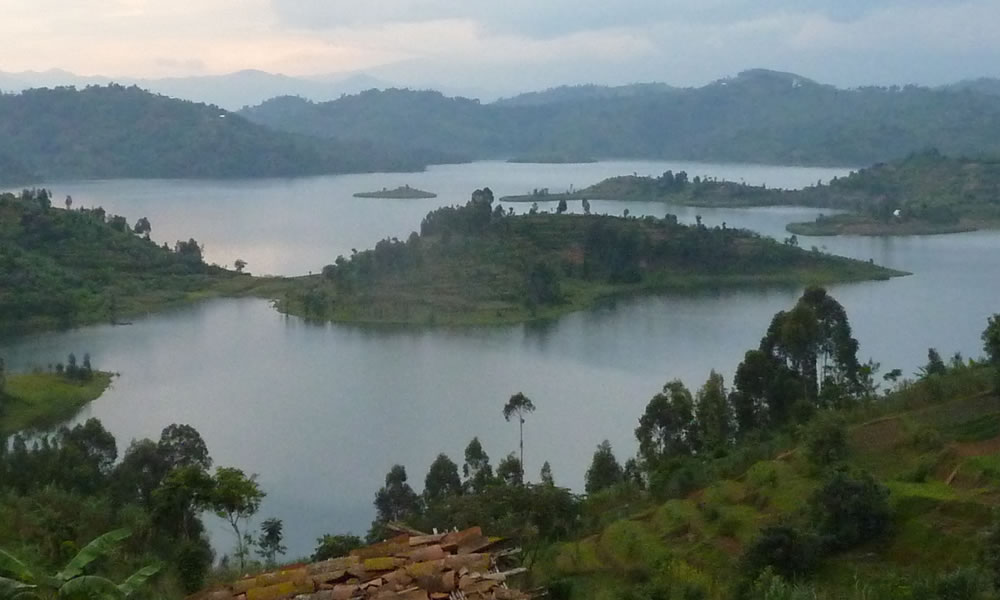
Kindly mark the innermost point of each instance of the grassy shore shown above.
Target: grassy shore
(853, 224)
(42, 400)
(404, 192)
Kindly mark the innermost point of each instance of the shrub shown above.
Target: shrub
(848, 511)
(784, 550)
(826, 441)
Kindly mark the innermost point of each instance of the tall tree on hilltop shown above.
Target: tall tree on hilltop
(519, 405)
(442, 479)
(604, 471)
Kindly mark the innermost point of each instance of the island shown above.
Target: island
(552, 159)
(403, 192)
(926, 193)
(480, 264)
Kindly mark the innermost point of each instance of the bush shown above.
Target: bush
(848, 511)
(784, 550)
(826, 441)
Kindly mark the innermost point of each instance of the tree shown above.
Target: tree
(545, 475)
(848, 511)
(586, 206)
(519, 405)
(183, 446)
(180, 497)
(713, 415)
(826, 440)
(991, 340)
(477, 470)
(269, 544)
(333, 546)
(143, 227)
(140, 472)
(665, 428)
(510, 471)
(69, 202)
(241, 264)
(934, 366)
(442, 479)
(3, 377)
(236, 497)
(604, 471)
(396, 501)
(561, 207)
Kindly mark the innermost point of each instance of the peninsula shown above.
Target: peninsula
(926, 193)
(480, 264)
(403, 192)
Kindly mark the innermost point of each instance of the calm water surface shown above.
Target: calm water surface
(321, 412)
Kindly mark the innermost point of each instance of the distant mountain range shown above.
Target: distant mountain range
(231, 91)
(117, 132)
(757, 116)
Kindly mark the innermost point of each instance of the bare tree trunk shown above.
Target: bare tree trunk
(521, 419)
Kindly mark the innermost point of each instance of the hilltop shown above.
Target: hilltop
(481, 264)
(114, 131)
(758, 116)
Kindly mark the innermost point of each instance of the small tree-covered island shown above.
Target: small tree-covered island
(926, 193)
(482, 264)
(403, 192)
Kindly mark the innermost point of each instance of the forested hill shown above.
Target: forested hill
(482, 264)
(61, 267)
(757, 116)
(114, 131)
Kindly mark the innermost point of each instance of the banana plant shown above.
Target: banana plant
(70, 583)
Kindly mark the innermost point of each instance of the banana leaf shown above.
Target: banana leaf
(137, 580)
(11, 589)
(90, 587)
(91, 552)
(12, 566)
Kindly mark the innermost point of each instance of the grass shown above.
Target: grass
(42, 400)
(937, 521)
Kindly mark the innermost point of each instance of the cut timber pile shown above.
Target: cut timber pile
(447, 566)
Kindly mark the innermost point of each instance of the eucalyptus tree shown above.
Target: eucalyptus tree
(519, 405)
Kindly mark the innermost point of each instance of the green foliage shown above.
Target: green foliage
(442, 479)
(479, 264)
(848, 511)
(269, 544)
(604, 470)
(714, 416)
(477, 470)
(826, 440)
(332, 546)
(783, 550)
(114, 131)
(236, 497)
(667, 426)
(396, 500)
(83, 269)
(757, 116)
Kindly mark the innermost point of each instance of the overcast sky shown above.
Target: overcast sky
(510, 44)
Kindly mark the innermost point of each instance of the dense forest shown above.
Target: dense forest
(926, 192)
(61, 266)
(114, 131)
(480, 263)
(758, 116)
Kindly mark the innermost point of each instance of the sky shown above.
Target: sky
(509, 45)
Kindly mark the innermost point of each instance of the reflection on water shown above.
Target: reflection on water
(321, 411)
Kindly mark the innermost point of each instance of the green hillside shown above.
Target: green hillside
(63, 267)
(114, 131)
(758, 116)
(482, 264)
(933, 446)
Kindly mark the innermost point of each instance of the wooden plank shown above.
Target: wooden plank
(390, 547)
(422, 540)
(435, 552)
(285, 589)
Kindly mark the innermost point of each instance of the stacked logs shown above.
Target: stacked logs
(447, 566)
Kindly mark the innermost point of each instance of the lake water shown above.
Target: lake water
(321, 412)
